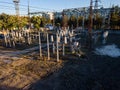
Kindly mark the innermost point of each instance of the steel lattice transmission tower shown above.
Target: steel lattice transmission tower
(96, 5)
(16, 6)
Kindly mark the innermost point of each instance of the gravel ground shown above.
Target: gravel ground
(95, 73)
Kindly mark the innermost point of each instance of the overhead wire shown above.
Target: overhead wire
(24, 8)
(12, 7)
(34, 7)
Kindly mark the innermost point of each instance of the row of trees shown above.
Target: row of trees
(14, 22)
(115, 17)
(112, 21)
(99, 22)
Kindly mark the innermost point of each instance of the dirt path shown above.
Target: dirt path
(17, 52)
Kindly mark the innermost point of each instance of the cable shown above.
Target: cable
(12, 7)
(22, 7)
(27, 6)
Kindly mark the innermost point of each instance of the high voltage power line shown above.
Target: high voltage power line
(31, 7)
(11, 7)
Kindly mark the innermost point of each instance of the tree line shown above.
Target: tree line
(111, 21)
(11, 22)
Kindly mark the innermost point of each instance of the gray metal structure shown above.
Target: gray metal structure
(16, 6)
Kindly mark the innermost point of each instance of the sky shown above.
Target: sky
(7, 6)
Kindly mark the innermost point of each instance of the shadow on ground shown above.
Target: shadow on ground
(95, 73)
(8, 88)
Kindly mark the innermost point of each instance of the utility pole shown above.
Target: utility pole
(90, 25)
(63, 22)
(83, 21)
(40, 45)
(57, 46)
(48, 50)
(28, 8)
(77, 19)
(96, 6)
(29, 15)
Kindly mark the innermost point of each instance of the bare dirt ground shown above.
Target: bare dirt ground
(100, 73)
(97, 72)
(19, 69)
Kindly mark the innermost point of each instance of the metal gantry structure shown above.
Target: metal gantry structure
(17, 6)
(96, 4)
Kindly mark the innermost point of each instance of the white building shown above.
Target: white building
(49, 15)
(84, 11)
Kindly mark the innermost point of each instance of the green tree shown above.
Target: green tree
(36, 20)
(43, 21)
(114, 20)
(0, 24)
(48, 21)
(72, 21)
(23, 21)
(115, 16)
(80, 20)
(12, 22)
(58, 21)
(97, 21)
(4, 20)
(65, 21)
(8, 21)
